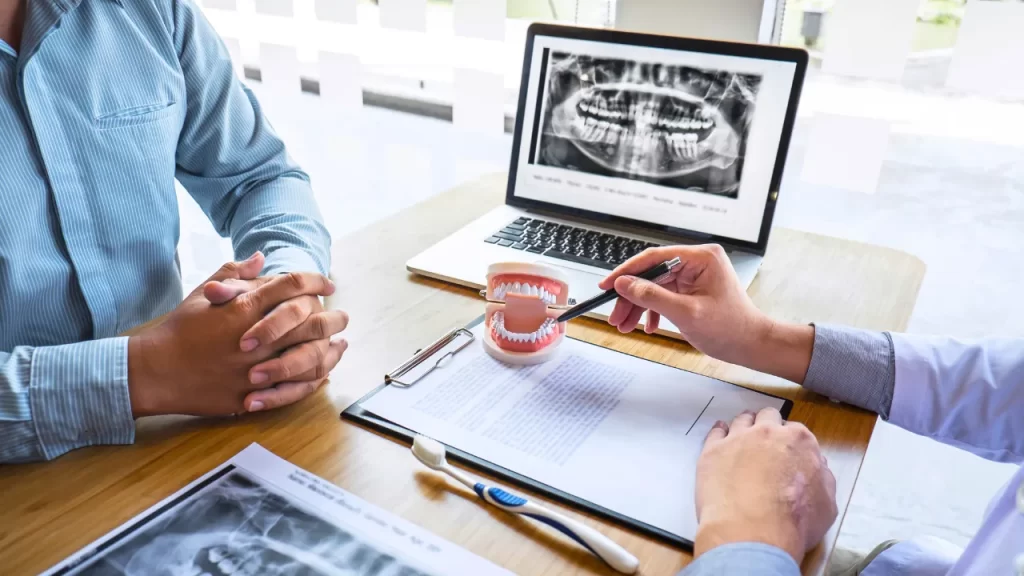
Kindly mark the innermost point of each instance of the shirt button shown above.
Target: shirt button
(1020, 498)
(1018, 563)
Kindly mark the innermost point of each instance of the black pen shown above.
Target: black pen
(657, 274)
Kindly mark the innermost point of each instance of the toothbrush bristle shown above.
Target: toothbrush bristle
(429, 451)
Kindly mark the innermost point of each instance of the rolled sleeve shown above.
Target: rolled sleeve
(853, 366)
(58, 398)
(743, 559)
(285, 260)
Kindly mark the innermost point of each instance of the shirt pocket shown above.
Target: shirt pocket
(135, 116)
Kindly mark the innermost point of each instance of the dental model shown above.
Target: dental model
(521, 318)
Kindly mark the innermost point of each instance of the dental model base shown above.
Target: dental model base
(523, 305)
(433, 454)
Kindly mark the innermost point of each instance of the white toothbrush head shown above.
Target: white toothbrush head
(430, 452)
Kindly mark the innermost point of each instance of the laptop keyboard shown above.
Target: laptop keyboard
(568, 243)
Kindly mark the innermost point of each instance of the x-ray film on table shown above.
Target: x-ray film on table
(606, 427)
(257, 514)
(676, 126)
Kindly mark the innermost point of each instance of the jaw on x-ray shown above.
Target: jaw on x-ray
(238, 527)
(676, 126)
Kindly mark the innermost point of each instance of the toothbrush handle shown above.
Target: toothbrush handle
(603, 547)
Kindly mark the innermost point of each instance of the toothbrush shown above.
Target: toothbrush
(432, 454)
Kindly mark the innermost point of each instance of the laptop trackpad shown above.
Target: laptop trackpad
(582, 285)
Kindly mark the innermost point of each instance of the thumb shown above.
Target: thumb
(245, 270)
(215, 289)
(222, 291)
(648, 295)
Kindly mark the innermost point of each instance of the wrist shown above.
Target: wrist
(782, 349)
(142, 385)
(712, 534)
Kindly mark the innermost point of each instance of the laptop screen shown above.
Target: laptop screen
(669, 137)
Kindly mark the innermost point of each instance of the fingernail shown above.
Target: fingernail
(249, 344)
(258, 377)
(253, 257)
(628, 280)
(256, 406)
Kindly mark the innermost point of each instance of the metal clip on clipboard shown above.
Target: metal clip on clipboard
(394, 376)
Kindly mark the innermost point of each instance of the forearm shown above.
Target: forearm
(743, 559)
(233, 163)
(781, 349)
(281, 219)
(845, 364)
(54, 399)
(966, 394)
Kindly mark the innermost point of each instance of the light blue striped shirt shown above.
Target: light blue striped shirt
(103, 106)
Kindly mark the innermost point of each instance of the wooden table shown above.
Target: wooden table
(50, 510)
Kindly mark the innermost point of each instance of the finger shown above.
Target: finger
(717, 433)
(223, 291)
(287, 286)
(629, 324)
(649, 295)
(830, 483)
(641, 262)
(281, 395)
(743, 421)
(307, 361)
(335, 352)
(284, 318)
(319, 326)
(653, 318)
(769, 416)
(290, 364)
(334, 355)
(246, 270)
(620, 311)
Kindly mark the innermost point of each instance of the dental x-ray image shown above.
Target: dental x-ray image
(236, 526)
(676, 126)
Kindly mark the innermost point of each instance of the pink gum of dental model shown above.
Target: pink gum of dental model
(522, 326)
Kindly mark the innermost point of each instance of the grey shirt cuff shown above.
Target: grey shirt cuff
(857, 367)
(743, 559)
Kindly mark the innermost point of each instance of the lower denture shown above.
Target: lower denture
(522, 345)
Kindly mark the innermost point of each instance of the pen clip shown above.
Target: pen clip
(671, 265)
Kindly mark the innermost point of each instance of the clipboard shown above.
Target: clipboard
(398, 377)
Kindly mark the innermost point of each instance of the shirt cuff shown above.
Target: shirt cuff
(857, 367)
(290, 259)
(79, 395)
(743, 559)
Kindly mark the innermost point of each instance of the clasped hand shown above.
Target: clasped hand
(237, 343)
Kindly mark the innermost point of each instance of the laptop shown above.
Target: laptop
(625, 141)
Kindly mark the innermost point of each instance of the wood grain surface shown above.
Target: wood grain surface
(50, 510)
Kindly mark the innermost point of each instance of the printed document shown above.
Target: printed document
(258, 514)
(617, 431)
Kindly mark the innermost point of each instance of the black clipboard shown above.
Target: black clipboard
(356, 414)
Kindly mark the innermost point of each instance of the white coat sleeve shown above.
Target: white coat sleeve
(966, 394)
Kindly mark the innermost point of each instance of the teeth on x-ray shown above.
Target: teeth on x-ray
(239, 527)
(676, 126)
(612, 117)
